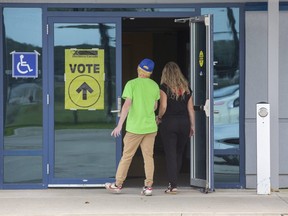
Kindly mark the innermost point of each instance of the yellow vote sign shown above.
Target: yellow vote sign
(84, 79)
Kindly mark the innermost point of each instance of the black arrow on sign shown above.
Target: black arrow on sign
(84, 87)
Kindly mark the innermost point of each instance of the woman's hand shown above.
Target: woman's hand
(192, 131)
(158, 120)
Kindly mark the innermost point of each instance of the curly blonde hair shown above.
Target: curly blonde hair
(172, 76)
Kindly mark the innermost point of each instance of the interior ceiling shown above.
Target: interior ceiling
(152, 24)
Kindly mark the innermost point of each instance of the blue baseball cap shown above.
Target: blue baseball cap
(147, 65)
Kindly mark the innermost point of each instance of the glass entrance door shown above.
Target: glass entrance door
(82, 93)
(202, 83)
(202, 86)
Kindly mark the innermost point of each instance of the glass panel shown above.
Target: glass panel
(226, 92)
(226, 169)
(83, 145)
(200, 88)
(22, 169)
(226, 75)
(22, 96)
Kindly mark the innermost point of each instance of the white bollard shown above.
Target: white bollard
(263, 149)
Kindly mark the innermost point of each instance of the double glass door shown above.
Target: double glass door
(84, 84)
(82, 92)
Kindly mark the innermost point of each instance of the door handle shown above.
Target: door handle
(118, 110)
(207, 107)
(198, 108)
(115, 111)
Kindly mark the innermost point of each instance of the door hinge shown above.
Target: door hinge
(47, 169)
(47, 29)
(47, 99)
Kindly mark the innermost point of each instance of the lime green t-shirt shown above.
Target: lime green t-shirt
(143, 92)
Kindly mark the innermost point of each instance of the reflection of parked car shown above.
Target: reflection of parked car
(226, 117)
(25, 93)
(226, 136)
(226, 105)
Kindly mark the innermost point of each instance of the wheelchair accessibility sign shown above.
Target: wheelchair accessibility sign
(25, 64)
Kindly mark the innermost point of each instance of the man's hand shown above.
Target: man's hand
(116, 132)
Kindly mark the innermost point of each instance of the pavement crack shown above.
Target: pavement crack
(282, 200)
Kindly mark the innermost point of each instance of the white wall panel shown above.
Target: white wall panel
(250, 153)
(283, 98)
(256, 73)
(256, 70)
(283, 146)
(283, 65)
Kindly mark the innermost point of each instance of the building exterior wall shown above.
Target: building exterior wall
(256, 90)
(256, 74)
(283, 99)
(226, 161)
(256, 80)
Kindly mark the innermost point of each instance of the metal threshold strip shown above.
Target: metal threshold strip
(75, 185)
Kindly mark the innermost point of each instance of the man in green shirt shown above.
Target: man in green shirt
(141, 99)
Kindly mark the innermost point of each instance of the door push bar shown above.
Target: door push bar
(205, 108)
(118, 107)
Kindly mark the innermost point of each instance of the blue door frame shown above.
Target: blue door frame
(74, 17)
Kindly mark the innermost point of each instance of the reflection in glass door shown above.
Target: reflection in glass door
(82, 95)
(229, 162)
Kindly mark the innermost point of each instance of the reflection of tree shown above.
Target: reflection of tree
(232, 22)
(226, 52)
(105, 43)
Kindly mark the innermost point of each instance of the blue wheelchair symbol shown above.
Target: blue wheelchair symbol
(22, 66)
(25, 64)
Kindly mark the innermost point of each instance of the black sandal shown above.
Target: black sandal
(171, 190)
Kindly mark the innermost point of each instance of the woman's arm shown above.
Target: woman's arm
(191, 112)
(162, 106)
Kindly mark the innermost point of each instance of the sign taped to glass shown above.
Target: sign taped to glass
(25, 64)
(84, 79)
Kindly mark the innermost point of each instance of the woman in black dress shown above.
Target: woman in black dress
(176, 120)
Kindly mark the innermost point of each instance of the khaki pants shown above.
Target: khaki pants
(131, 144)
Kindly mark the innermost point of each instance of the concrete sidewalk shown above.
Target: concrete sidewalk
(98, 202)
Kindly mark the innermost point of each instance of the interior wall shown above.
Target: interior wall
(135, 47)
